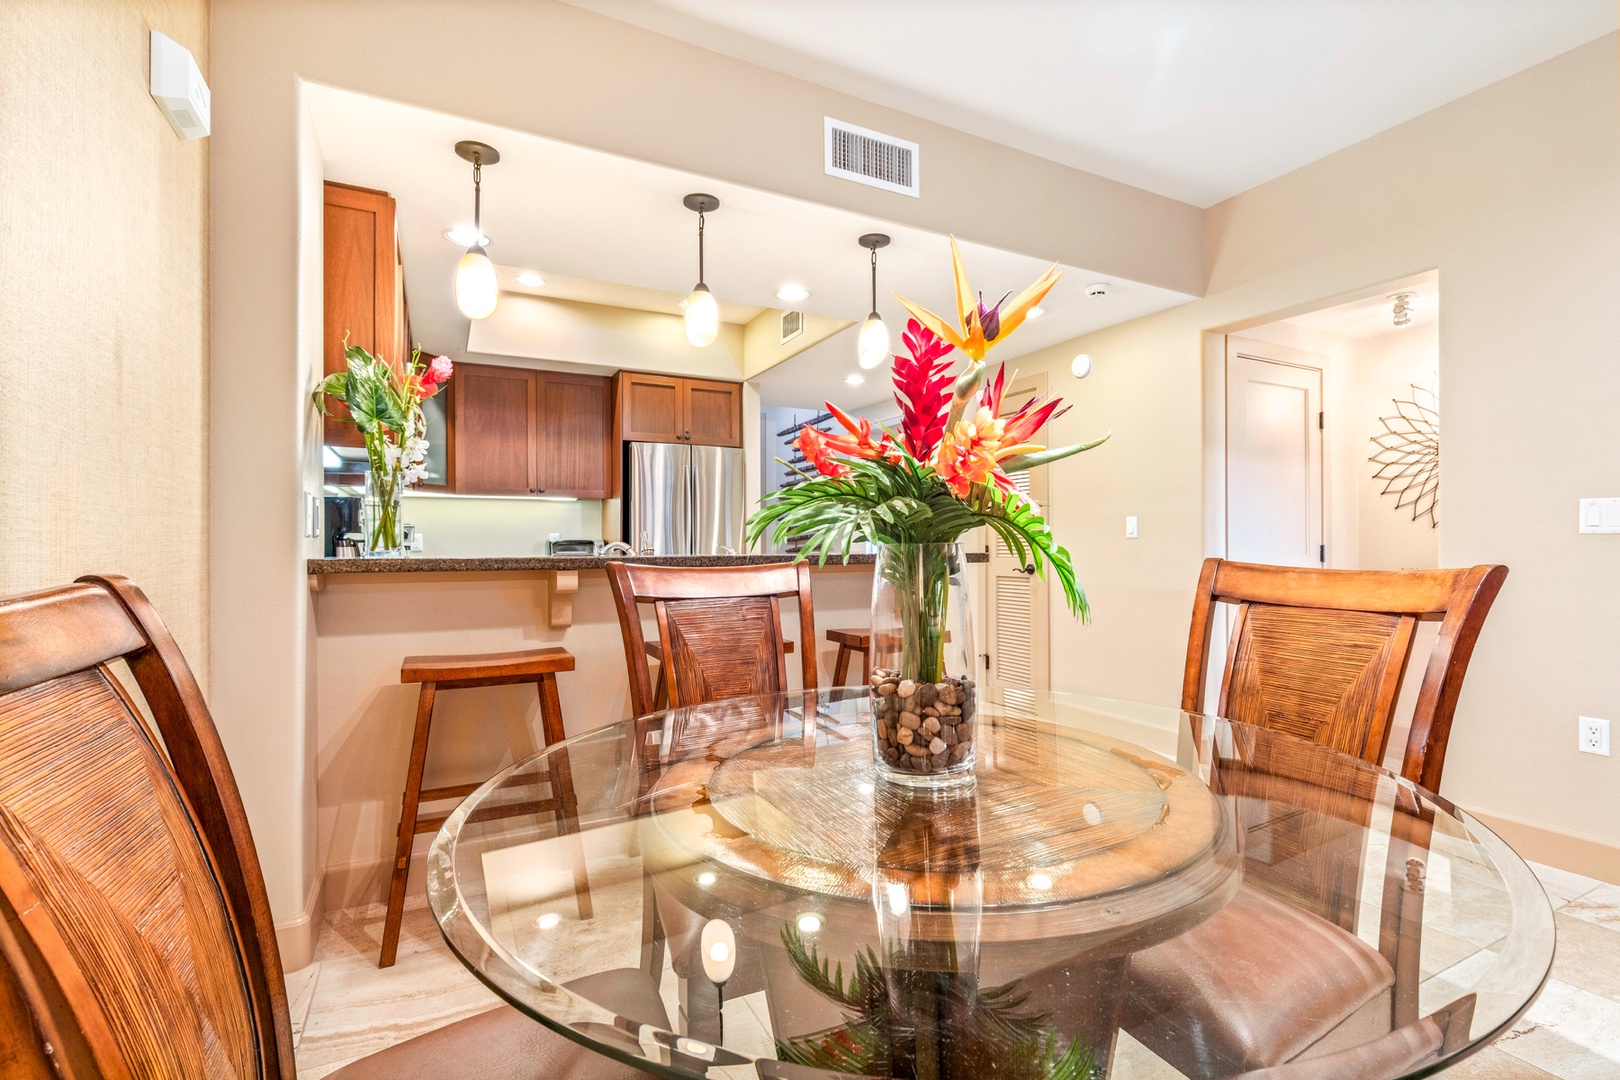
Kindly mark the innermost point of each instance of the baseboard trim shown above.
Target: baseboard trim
(1578, 853)
(295, 939)
(360, 883)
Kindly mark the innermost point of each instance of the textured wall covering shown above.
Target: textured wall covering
(103, 309)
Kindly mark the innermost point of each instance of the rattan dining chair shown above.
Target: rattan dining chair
(1319, 654)
(137, 937)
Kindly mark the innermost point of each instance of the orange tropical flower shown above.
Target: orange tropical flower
(967, 452)
(858, 443)
(981, 327)
(813, 444)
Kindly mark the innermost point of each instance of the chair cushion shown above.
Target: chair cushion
(502, 1044)
(1210, 1001)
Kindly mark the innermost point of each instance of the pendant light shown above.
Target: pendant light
(872, 347)
(477, 288)
(702, 313)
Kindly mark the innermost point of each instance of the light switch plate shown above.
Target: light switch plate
(1130, 528)
(1600, 515)
(1594, 736)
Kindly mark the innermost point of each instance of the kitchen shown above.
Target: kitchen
(570, 425)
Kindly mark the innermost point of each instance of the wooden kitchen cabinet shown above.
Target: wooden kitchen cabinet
(658, 408)
(520, 432)
(364, 288)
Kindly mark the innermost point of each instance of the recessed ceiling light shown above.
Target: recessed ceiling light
(531, 279)
(466, 236)
(548, 921)
(809, 922)
(1035, 312)
(707, 878)
(793, 294)
(855, 379)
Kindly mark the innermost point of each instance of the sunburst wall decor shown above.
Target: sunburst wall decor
(1408, 456)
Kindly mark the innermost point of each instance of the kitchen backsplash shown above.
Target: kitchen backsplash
(476, 527)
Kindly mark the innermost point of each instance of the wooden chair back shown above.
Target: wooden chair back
(719, 628)
(136, 932)
(1321, 653)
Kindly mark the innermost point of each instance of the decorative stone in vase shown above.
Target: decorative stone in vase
(924, 698)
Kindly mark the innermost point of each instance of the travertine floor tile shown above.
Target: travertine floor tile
(1572, 1033)
(1588, 956)
(300, 994)
(1561, 885)
(1492, 1064)
(1601, 905)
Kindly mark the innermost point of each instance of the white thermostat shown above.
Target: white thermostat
(178, 87)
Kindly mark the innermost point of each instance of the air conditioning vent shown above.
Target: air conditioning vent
(867, 157)
(792, 325)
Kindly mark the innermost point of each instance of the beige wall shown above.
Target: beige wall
(1387, 367)
(103, 310)
(558, 71)
(1516, 184)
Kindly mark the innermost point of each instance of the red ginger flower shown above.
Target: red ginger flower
(813, 445)
(922, 389)
(434, 375)
(1030, 417)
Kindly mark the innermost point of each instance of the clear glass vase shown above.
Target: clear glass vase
(924, 695)
(384, 535)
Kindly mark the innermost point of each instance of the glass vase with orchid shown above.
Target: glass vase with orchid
(385, 402)
(914, 493)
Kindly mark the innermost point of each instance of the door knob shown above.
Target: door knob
(1030, 570)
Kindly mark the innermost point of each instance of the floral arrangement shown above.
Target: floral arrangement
(385, 403)
(949, 468)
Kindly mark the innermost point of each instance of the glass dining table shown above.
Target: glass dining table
(1122, 889)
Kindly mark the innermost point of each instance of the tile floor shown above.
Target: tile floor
(344, 1007)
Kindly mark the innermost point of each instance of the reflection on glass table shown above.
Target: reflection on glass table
(763, 904)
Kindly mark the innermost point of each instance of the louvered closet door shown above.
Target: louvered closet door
(1016, 640)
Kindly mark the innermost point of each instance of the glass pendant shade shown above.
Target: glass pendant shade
(477, 288)
(872, 347)
(702, 317)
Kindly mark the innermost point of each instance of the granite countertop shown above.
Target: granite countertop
(422, 564)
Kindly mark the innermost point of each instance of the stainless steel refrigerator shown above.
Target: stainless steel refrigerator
(683, 500)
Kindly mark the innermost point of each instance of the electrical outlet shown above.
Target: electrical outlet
(1594, 736)
(1130, 527)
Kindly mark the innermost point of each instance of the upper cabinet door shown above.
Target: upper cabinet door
(573, 421)
(364, 294)
(495, 437)
(713, 413)
(651, 408)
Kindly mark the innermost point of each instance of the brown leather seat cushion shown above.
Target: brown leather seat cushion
(502, 1044)
(1253, 986)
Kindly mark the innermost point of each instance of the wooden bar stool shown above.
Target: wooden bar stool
(435, 673)
(851, 641)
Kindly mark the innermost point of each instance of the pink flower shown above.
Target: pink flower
(436, 374)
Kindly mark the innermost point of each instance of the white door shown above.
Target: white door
(1273, 457)
(1016, 640)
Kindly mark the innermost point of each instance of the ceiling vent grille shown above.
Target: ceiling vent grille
(868, 157)
(792, 325)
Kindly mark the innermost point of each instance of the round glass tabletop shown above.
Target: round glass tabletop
(731, 890)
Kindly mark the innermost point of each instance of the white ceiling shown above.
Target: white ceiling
(1194, 99)
(1374, 315)
(603, 228)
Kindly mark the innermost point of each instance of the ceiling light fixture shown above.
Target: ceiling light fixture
(1403, 308)
(793, 294)
(1080, 366)
(1035, 312)
(477, 288)
(531, 279)
(854, 378)
(702, 313)
(872, 347)
(465, 236)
